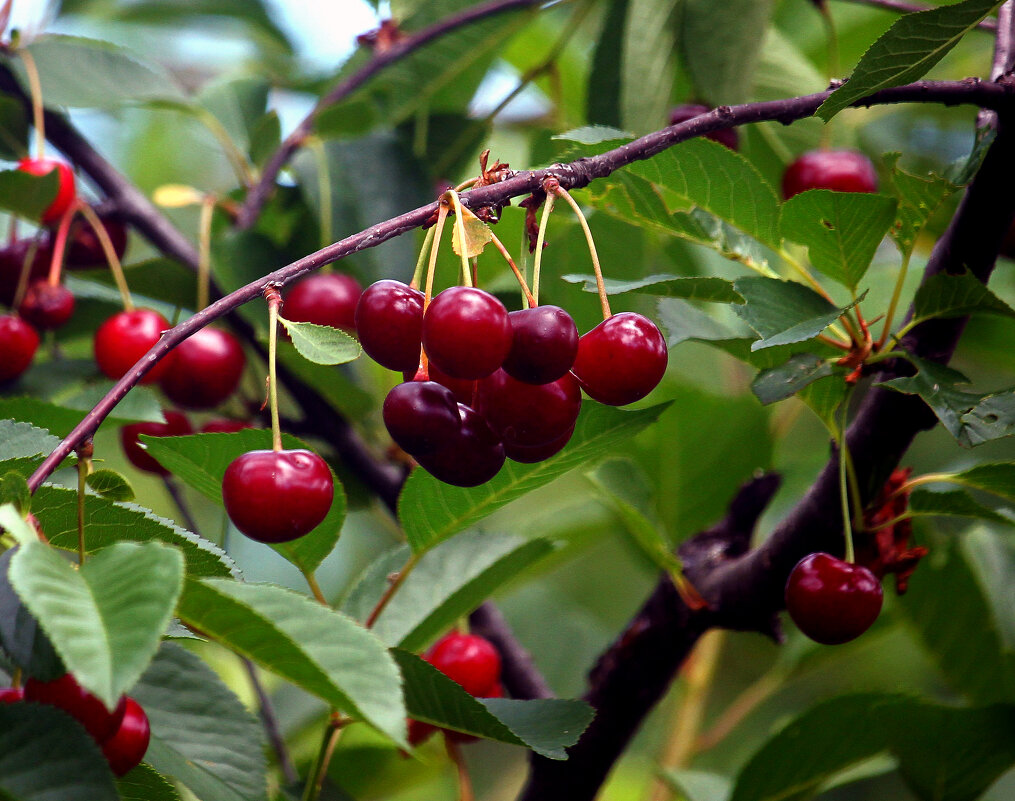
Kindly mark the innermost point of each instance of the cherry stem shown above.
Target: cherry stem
(417, 273)
(835, 343)
(896, 294)
(12, 230)
(529, 297)
(204, 251)
(395, 582)
(316, 146)
(442, 214)
(540, 236)
(274, 298)
(603, 299)
(110, 252)
(26, 271)
(315, 588)
(847, 518)
(462, 246)
(84, 454)
(315, 781)
(464, 782)
(60, 246)
(35, 88)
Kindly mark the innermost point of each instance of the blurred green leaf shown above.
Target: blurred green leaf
(603, 105)
(145, 784)
(708, 288)
(61, 418)
(779, 383)
(995, 477)
(648, 62)
(992, 417)
(18, 439)
(946, 295)
(110, 484)
(21, 638)
(238, 104)
(824, 398)
(13, 129)
(321, 344)
(14, 490)
(952, 503)
(698, 785)
(27, 195)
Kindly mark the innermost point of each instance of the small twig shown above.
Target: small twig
(270, 722)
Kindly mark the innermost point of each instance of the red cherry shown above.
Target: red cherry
(127, 336)
(65, 193)
(462, 388)
(224, 426)
(466, 332)
(277, 496)
(528, 414)
(46, 306)
(176, 425)
(841, 170)
(544, 342)
(832, 601)
(206, 369)
(530, 454)
(688, 111)
(471, 457)
(84, 249)
(389, 319)
(125, 749)
(621, 360)
(324, 299)
(419, 732)
(18, 343)
(11, 695)
(12, 259)
(469, 660)
(421, 416)
(76, 701)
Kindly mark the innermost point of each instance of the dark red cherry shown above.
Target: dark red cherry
(176, 425)
(65, 192)
(688, 111)
(389, 319)
(11, 695)
(462, 388)
(421, 415)
(466, 332)
(66, 694)
(840, 170)
(544, 342)
(12, 259)
(530, 454)
(528, 414)
(830, 600)
(46, 306)
(419, 732)
(224, 426)
(206, 369)
(84, 250)
(127, 336)
(471, 457)
(277, 496)
(126, 748)
(324, 299)
(18, 343)
(469, 660)
(621, 360)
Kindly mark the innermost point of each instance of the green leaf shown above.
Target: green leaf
(683, 322)
(952, 503)
(717, 290)
(316, 648)
(997, 478)
(20, 636)
(779, 383)
(12, 522)
(13, 129)
(110, 484)
(824, 398)
(19, 439)
(202, 736)
(648, 61)
(603, 105)
(145, 784)
(321, 344)
(200, 460)
(238, 105)
(698, 785)
(105, 619)
(946, 295)
(605, 137)
(27, 195)
(784, 312)
(14, 490)
(918, 199)
(992, 417)
(907, 50)
(140, 405)
(841, 230)
(431, 511)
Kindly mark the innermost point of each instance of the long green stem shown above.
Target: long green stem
(417, 273)
(527, 296)
(896, 294)
(315, 780)
(847, 518)
(540, 237)
(323, 186)
(204, 251)
(84, 468)
(35, 87)
(391, 589)
(110, 253)
(463, 249)
(236, 158)
(315, 588)
(442, 215)
(600, 285)
(274, 301)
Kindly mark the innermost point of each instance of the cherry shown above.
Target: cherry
(224, 426)
(126, 337)
(419, 731)
(462, 388)
(76, 701)
(832, 601)
(11, 695)
(530, 454)
(528, 414)
(84, 249)
(466, 332)
(688, 111)
(206, 369)
(841, 170)
(544, 342)
(325, 299)
(389, 319)
(12, 258)
(421, 416)
(277, 496)
(469, 660)
(621, 360)
(125, 749)
(46, 306)
(65, 193)
(176, 425)
(18, 343)
(471, 457)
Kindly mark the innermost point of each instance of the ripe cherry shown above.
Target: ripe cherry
(544, 342)
(421, 416)
(277, 496)
(389, 321)
(469, 660)
(127, 336)
(462, 388)
(471, 457)
(419, 731)
(466, 332)
(621, 360)
(325, 299)
(206, 369)
(125, 749)
(12, 259)
(528, 414)
(224, 426)
(18, 343)
(531, 454)
(46, 306)
(830, 600)
(84, 249)
(11, 695)
(76, 701)
(840, 170)
(65, 192)
(688, 111)
(176, 425)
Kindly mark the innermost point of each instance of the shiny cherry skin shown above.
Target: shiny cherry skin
(47, 307)
(471, 457)
(531, 454)
(389, 322)
(11, 695)
(840, 170)
(224, 426)
(66, 193)
(18, 343)
(830, 600)
(125, 749)
(176, 425)
(464, 389)
(277, 496)
(469, 660)
(206, 369)
(66, 694)
(127, 336)
(621, 360)
(544, 343)
(688, 111)
(84, 250)
(324, 299)
(421, 416)
(466, 332)
(528, 414)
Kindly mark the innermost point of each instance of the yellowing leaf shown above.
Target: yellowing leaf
(477, 234)
(176, 196)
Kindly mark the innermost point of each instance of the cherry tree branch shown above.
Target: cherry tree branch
(908, 8)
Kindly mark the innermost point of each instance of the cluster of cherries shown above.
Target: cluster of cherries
(122, 733)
